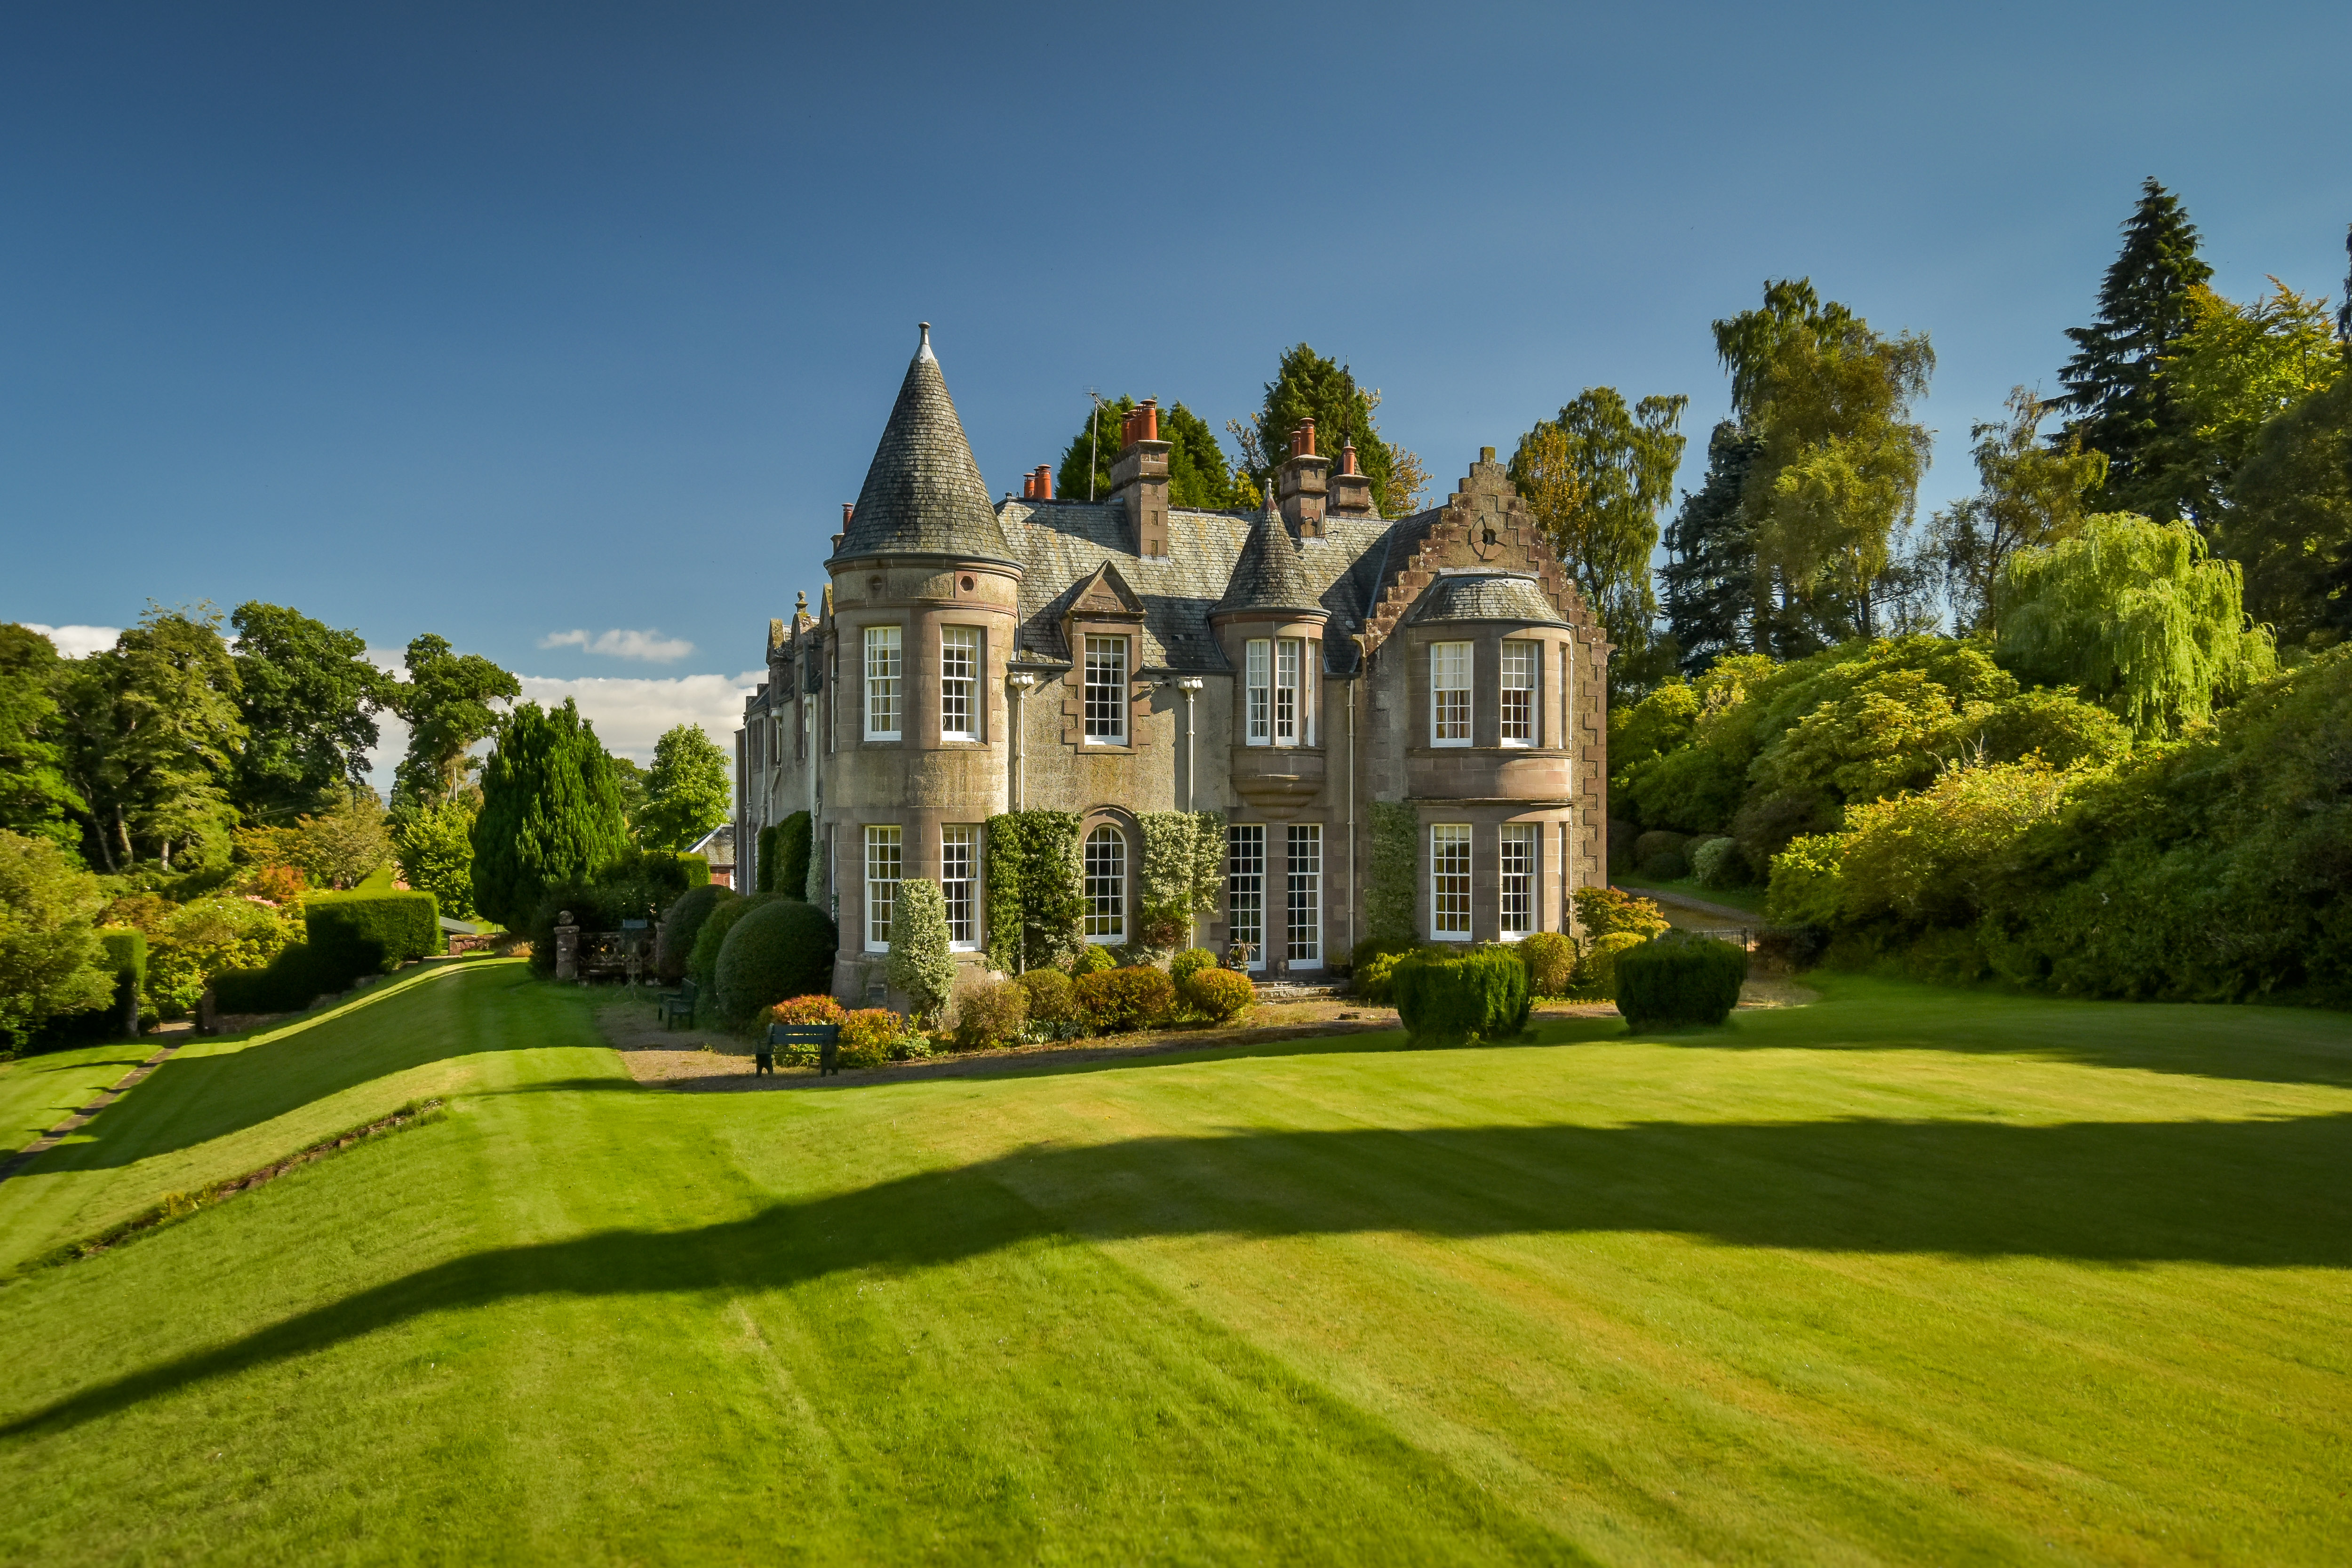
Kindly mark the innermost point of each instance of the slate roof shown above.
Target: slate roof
(923, 494)
(1060, 544)
(1270, 573)
(1486, 596)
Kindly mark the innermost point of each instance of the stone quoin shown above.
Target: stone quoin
(1288, 668)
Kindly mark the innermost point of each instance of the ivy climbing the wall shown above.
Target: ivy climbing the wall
(1395, 874)
(1183, 871)
(1036, 906)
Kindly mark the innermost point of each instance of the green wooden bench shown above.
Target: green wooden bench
(671, 1006)
(825, 1037)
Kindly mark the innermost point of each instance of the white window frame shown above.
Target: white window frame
(1521, 705)
(1303, 903)
(1246, 889)
(1450, 881)
(1449, 706)
(960, 885)
(886, 681)
(1105, 890)
(1289, 654)
(960, 662)
(1257, 682)
(886, 867)
(1110, 653)
(1518, 857)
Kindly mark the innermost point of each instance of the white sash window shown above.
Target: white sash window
(882, 682)
(1449, 693)
(1449, 882)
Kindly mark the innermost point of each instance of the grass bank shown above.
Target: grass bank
(1906, 1274)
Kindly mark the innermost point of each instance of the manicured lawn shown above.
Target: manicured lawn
(1905, 1275)
(36, 1093)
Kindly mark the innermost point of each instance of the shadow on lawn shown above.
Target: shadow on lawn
(2266, 1194)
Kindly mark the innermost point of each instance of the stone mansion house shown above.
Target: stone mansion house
(1288, 669)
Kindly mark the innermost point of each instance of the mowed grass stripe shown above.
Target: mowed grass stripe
(1648, 1301)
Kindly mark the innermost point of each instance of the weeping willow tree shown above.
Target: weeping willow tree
(2136, 615)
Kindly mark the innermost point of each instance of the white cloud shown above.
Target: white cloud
(75, 641)
(649, 645)
(629, 714)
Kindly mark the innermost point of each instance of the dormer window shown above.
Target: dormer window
(1278, 705)
(1106, 693)
(1449, 693)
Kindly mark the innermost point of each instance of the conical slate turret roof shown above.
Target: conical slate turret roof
(1269, 575)
(923, 495)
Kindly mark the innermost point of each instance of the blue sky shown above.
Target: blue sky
(510, 322)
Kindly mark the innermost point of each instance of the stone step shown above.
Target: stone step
(1297, 991)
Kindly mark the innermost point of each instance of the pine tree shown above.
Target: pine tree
(1711, 574)
(1198, 474)
(2113, 384)
(1306, 386)
(550, 812)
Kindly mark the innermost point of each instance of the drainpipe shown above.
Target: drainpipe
(1020, 682)
(1189, 685)
(1355, 894)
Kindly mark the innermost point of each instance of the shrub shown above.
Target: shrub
(765, 882)
(1603, 910)
(1467, 997)
(1053, 999)
(1133, 998)
(919, 963)
(126, 954)
(702, 961)
(1659, 853)
(792, 838)
(1620, 846)
(1551, 960)
(680, 925)
(803, 1010)
(402, 927)
(1677, 980)
(199, 941)
(1392, 880)
(1376, 978)
(991, 1012)
(780, 948)
(868, 1035)
(1220, 995)
(1596, 972)
(1187, 964)
(1089, 959)
(1716, 862)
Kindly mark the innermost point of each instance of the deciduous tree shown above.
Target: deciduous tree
(34, 796)
(50, 958)
(151, 736)
(447, 702)
(436, 847)
(2029, 495)
(1595, 477)
(2136, 615)
(1835, 478)
(308, 696)
(686, 790)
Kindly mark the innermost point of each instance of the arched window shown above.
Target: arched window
(1105, 885)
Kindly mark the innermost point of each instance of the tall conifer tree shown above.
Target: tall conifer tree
(550, 812)
(2113, 384)
(1710, 578)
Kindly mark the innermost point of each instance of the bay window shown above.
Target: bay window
(1518, 880)
(1449, 693)
(1520, 662)
(882, 683)
(959, 681)
(884, 857)
(1449, 882)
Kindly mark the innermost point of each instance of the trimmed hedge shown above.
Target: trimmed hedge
(778, 949)
(793, 838)
(349, 934)
(765, 881)
(1675, 979)
(703, 958)
(1471, 997)
(401, 926)
(1550, 958)
(126, 950)
(1189, 963)
(681, 924)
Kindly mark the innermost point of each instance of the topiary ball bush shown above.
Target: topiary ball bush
(1133, 998)
(1090, 960)
(777, 949)
(1550, 958)
(1717, 862)
(1220, 995)
(1676, 980)
(680, 925)
(702, 960)
(1187, 964)
(1596, 972)
(1463, 998)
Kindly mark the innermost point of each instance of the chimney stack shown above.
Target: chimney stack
(1138, 480)
(848, 509)
(1301, 485)
(1352, 492)
(1044, 483)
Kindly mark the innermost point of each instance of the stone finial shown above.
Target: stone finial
(924, 352)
